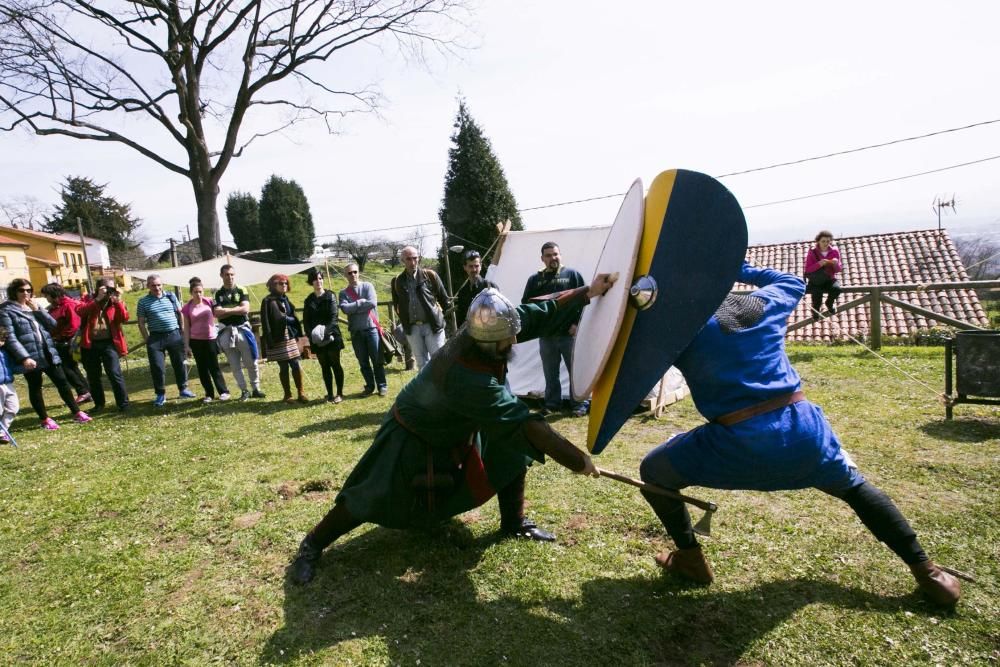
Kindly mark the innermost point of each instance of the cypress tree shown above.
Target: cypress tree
(244, 222)
(286, 225)
(476, 194)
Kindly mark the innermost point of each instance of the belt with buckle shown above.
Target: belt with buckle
(759, 408)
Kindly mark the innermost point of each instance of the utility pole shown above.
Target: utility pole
(86, 262)
(447, 273)
(173, 263)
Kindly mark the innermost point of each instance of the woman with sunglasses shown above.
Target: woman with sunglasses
(280, 329)
(319, 311)
(33, 351)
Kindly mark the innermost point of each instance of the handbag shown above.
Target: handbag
(318, 336)
(389, 346)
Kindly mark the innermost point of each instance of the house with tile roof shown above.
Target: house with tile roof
(57, 257)
(13, 262)
(918, 257)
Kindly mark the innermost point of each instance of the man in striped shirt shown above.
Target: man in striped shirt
(160, 326)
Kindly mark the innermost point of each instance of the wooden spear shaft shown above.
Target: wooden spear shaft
(659, 490)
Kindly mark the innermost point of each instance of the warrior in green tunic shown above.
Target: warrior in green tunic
(456, 436)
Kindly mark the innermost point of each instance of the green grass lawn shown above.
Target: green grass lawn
(164, 537)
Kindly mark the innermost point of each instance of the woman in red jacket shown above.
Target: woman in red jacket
(102, 341)
(821, 269)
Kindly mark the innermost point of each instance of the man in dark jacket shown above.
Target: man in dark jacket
(555, 278)
(474, 284)
(420, 300)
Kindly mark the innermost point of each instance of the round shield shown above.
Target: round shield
(599, 325)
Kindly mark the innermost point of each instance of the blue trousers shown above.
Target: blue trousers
(157, 347)
(552, 350)
(366, 349)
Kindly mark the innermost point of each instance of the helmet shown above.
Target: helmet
(492, 317)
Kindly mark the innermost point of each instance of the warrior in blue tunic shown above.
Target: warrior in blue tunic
(762, 433)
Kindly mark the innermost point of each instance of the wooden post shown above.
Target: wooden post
(173, 262)
(86, 263)
(876, 318)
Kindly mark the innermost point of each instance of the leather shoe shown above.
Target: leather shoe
(529, 530)
(306, 560)
(936, 584)
(689, 563)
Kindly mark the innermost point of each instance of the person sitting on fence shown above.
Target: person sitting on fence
(821, 269)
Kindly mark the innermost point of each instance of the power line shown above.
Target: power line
(859, 149)
(786, 164)
(868, 185)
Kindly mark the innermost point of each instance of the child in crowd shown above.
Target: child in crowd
(9, 403)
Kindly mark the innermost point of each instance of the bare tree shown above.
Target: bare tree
(196, 70)
(25, 212)
(980, 256)
(359, 249)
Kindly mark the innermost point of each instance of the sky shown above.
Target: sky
(580, 98)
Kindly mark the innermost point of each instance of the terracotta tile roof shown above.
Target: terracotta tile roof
(6, 240)
(882, 259)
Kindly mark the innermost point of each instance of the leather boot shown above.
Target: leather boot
(286, 388)
(528, 530)
(936, 584)
(297, 376)
(689, 563)
(306, 560)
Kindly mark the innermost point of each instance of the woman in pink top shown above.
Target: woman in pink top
(199, 341)
(821, 269)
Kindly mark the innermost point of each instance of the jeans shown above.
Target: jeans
(159, 345)
(366, 349)
(70, 367)
(102, 353)
(240, 348)
(424, 342)
(553, 350)
(55, 373)
(206, 359)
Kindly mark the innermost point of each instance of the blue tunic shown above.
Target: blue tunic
(789, 448)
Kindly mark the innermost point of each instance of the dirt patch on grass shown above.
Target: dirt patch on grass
(288, 490)
(248, 520)
(180, 596)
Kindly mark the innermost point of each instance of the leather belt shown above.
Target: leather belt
(759, 408)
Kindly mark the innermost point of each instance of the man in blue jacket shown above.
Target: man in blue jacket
(763, 434)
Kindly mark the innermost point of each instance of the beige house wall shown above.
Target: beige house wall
(13, 264)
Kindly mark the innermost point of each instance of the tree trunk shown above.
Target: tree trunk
(209, 237)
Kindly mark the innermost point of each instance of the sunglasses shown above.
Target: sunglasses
(26, 290)
(351, 272)
(472, 254)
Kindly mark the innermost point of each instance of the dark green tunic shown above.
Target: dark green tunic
(476, 407)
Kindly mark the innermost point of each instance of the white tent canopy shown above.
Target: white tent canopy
(520, 256)
(248, 272)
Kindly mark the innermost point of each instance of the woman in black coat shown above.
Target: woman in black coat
(33, 351)
(320, 310)
(280, 330)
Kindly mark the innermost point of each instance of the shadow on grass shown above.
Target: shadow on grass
(415, 593)
(800, 357)
(353, 421)
(962, 430)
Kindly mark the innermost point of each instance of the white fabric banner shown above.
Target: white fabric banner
(248, 272)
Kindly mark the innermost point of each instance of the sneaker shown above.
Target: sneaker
(82, 398)
(244, 395)
(580, 411)
(49, 424)
(207, 399)
(81, 417)
(338, 398)
(383, 391)
(186, 393)
(224, 396)
(4, 440)
(160, 400)
(257, 393)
